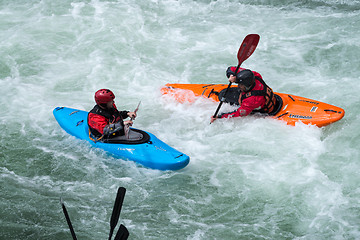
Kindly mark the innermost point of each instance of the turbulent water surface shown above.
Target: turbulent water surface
(250, 178)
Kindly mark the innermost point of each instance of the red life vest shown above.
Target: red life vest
(266, 92)
(107, 116)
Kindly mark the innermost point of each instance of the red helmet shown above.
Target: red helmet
(104, 96)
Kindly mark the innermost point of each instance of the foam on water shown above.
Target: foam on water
(250, 178)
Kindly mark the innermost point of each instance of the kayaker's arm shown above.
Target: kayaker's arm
(245, 109)
(237, 113)
(124, 114)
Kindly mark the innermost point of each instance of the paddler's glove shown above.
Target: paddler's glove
(114, 129)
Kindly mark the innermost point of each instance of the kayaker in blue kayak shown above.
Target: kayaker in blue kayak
(255, 95)
(105, 121)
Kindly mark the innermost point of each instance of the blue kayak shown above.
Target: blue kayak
(149, 151)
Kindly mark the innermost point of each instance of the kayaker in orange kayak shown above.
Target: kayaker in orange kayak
(255, 95)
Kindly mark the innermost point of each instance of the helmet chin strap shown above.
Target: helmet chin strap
(249, 88)
(103, 105)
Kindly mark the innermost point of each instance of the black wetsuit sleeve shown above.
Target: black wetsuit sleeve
(124, 114)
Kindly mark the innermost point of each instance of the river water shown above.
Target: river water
(250, 178)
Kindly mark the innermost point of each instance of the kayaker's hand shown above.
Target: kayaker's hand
(132, 115)
(212, 119)
(232, 78)
(129, 123)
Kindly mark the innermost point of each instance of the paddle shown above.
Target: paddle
(136, 109)
(116, 210)
(127, 127)
(68, 219)
(247, 48)
(122, 233)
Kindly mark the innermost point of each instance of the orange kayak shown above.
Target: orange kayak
(291, 110)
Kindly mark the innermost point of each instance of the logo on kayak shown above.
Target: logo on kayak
(313, 109)
(300, 116)
(316, 103)
(160, 148)
(127, 149)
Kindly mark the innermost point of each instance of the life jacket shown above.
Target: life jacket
(112, 115)
(266, 92)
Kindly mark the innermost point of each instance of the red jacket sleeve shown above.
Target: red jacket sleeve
(247, 106)
(97, 122)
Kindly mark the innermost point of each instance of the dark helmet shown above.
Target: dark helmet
(245, 77)
(104, 96)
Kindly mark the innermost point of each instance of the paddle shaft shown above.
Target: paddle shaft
(135, 111)
(68, 221)
(127, 127)
(223, 98)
